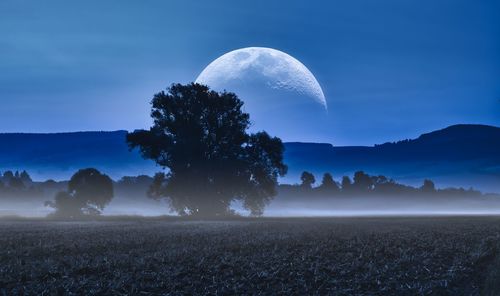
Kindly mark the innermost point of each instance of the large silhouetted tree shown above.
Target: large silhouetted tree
(201, 137)
(89, 191)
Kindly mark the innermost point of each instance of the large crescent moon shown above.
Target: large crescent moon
(278, 69)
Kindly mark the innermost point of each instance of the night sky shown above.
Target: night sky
(390, 70)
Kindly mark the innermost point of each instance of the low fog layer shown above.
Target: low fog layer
(383, 206)
(283, 207)
(364, 195)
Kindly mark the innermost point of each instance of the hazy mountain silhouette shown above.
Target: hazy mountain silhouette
(59, 155)
(459, 155)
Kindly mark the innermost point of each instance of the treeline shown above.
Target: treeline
(17, 184)
(363, 184)
(89, 191)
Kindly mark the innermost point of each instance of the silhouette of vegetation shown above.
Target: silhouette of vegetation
(364, 184)
(133, 187)
(89, 191)
(307, 180)
(328, 185)
(201, 137)
(428, 186)
(346, 184)
(17, 185)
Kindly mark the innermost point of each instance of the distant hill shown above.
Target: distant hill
(459, 155)
(59, 155)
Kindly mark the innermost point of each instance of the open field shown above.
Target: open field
(338, 256)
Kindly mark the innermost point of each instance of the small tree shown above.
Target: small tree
(201, 137)
(428, 186)
(328, 184)
(7, 176)
(307, 180)
(362, 182)
(89, 191)
(25, 177)
(346, 184)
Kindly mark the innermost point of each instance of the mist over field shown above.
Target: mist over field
(283, 206)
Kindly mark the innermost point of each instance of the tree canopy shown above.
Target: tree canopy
(307, 179)
(328, 184)
(201, 137)
(89, 191)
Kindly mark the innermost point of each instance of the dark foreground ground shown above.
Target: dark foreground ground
(342, 256)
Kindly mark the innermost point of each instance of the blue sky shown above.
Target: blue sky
(389, 69)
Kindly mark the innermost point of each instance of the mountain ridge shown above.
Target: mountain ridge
(458, 155)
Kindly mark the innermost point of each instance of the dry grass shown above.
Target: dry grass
(369, 256)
